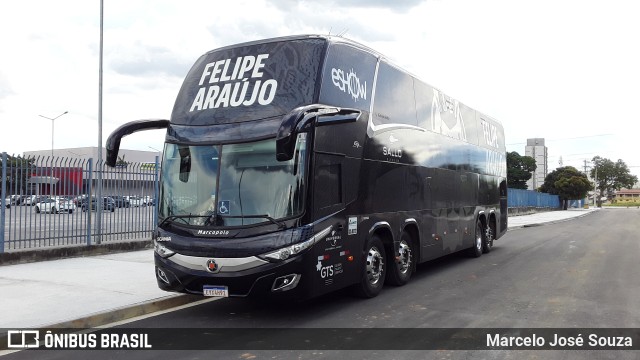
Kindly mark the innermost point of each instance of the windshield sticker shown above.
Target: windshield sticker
(224, 207)
(349, 83)
(239, 75)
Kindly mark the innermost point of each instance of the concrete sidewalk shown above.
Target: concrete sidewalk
(547, 217)
(96, 290)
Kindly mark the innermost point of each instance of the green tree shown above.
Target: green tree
(568, 183)
(611, 176)
(18, 172)
(519, 169)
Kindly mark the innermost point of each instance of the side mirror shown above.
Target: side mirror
(113, 141)
(296, 120)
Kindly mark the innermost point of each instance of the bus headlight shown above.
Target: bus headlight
(295, 249)
(162, 250)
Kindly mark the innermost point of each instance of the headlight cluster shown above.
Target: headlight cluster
(295, 249)
(162, 250)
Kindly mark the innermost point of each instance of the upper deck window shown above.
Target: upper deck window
(394, 101)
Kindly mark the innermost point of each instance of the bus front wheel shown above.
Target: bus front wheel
(373, 272)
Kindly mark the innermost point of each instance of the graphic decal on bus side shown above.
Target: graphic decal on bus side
(349, 83)
(328, 271)
(240, 75)
(332, 241)
(446, 116)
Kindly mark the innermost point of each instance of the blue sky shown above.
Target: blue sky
(566, 71)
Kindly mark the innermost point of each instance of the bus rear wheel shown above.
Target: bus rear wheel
(478, 241)
(402, 262)
(373, 272)
(489, 235)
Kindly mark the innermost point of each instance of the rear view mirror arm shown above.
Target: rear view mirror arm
(113, 141)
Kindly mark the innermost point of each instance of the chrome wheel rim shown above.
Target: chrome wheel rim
(479, 239)
(489, 236)
(375, 266)
(404, 257)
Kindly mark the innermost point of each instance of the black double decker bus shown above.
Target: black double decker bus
(302, 165)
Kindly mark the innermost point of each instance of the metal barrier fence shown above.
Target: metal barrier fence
(518, 198)
(51, 202)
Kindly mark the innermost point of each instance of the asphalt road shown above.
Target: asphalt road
(581, 273)
(24, 229)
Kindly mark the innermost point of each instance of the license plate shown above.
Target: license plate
(211, 290)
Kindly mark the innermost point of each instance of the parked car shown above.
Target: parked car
(107, 204)
(18, 199)
(121, 201)
(7, 202)
(31, 200)
(55, 205)
(78, 200)
(13, 199)
(136, 201)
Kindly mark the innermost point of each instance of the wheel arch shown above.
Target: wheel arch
(383, 230)
(411, 227)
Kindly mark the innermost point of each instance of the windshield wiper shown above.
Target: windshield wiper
(280, 224)
(181, 217)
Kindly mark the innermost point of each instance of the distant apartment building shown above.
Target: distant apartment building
(536, 149)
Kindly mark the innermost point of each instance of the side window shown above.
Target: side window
(424, 102)
(394, 101)
(328, 192)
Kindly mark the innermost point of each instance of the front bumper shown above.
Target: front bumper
(259, 278)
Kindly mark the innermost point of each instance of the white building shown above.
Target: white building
(68, 172)
(85, 153)
(535, 148)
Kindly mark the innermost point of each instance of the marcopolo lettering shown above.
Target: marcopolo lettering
(227, 83)
(213, 232)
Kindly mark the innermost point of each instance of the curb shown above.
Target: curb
(550, 222)
(118, 314)
(127, 312)
(37, 255)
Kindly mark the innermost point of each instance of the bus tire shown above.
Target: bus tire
(489, 235)
(401, 263)
(478, 240)
(373, 271)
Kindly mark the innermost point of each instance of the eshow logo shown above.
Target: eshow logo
(349, 83)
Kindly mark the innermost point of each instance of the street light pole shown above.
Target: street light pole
(100, 164)
(52, 120)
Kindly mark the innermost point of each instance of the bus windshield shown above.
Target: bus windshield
(231, 184)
